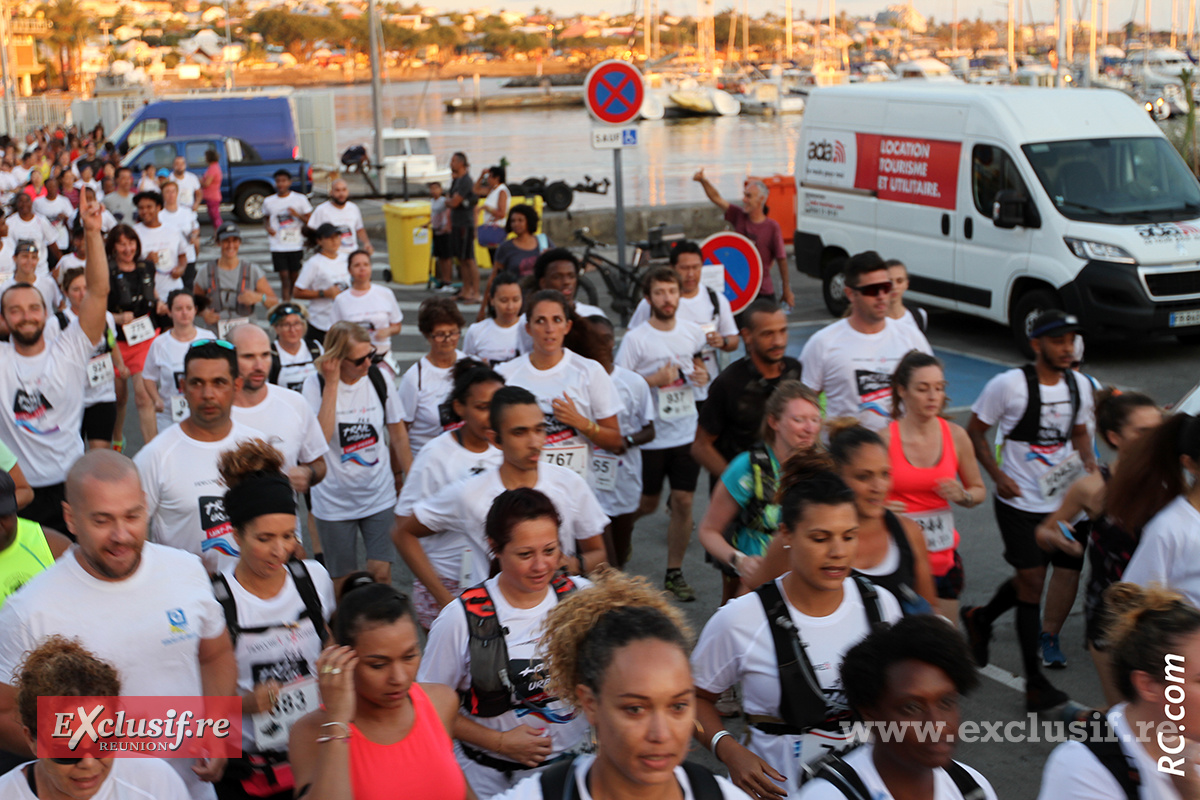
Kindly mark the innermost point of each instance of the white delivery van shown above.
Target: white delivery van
(1003, 201)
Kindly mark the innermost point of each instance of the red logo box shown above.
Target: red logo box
(155, 727)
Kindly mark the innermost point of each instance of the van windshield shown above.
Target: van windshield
(1118, 181)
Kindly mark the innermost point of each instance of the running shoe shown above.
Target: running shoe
(676, 585)
(1041, 695)
(1052, 654)
(979, 634)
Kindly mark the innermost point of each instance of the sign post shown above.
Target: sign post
(613, 92)
(743, 267)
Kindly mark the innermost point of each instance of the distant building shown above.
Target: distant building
(905, 17)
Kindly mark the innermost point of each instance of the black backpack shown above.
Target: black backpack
(1029, 427)
(843, 778)
(558, 781)
(1107, 750)
(304, 586)
(277, 365)
(802, 703)
(377, 380)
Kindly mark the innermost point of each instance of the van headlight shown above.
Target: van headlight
(1099, 251)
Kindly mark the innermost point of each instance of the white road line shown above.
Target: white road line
(1005, 677)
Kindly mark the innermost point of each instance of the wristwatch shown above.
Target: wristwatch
(629, 443)
(734, 560)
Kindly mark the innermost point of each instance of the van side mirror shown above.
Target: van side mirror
(1009, 208)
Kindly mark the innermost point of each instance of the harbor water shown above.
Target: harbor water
(556, 143)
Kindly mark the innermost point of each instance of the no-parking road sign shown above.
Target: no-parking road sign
(742, 263)
(613, 91)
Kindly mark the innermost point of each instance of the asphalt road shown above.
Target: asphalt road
(1162, 368)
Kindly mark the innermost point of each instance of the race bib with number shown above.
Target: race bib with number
(604, 472)
(1055, 482)
(271, 728)
(572, 454)
(163, 262)
(224, 326)
(938, 527)
(179, 408)
(676, 402)
(138, 331)
(100, 369)
(289, 231)
(817, 744)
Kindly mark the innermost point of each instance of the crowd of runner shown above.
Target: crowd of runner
(290, 471)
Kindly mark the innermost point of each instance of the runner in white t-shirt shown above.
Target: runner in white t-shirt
(105, 365)
(852, 360)
(27, 225)
(425, 386)
(370, 305)
(189, 184)
(522, 534)
(575, 393)
(898, 273)
(828, 608)
(356, 404)
(450, 524)
(57, 209)
(666, 351)
(322, 278)
(25, 262)
(175, 644)
(1046, 448)
(339, 210)
(184, 492)
(162, 372)
(162, 245)
(496, 337)
(701, 305)
(285, 214)
(43, 382)
(449, 458)
(184, 218)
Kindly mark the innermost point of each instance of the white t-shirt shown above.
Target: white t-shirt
(105, 391)
(130, 779)
(164, 367)
(425, 397)
(1169, 551)
(107, 220)
(459, 551)
(531, 787)
(447, 660)
(288, 650)
(282, 215)
(493, 200)
(44, 395)
(318, 274)
(443, 461)
(375, 309)
(861, 759)
(289, 424)
(699, 310)
(186, 221)
(637, 409)
(347, 218)
(854, 369)
(1073, 773)
(645, 350)
(52, 210)
(581, 379)
(52, 295)
(1002, 403)
(166, 243)
(487, 340)
(38, 230)
(188, 185)
(295, 368)
(910, 318)
(185, 495)
(736, 646)
(358, 469)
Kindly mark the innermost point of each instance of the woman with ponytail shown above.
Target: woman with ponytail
(1157, 490)
(783, 641)
(1137, 748)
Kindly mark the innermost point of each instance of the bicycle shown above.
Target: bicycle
(624, 283)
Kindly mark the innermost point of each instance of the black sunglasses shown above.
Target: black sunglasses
(873, 289)
(66, 761)
(376, 358)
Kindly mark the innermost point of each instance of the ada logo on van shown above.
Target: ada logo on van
(897, 168)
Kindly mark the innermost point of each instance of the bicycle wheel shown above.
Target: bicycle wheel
(586, 292)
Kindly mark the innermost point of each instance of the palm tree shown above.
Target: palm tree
(72, 27)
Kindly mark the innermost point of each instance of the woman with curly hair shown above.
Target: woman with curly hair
(619, 652)
(62, 667)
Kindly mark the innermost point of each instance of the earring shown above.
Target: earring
(699, 727)
(787, 547)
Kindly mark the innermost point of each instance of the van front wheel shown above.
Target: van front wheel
(249, 203)
(833, 289)
(1025, 311)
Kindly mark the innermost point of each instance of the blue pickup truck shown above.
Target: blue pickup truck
(247, 179)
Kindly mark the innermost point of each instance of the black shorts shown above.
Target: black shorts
(288, 262)
(674, 463)
(950, 585)
(462, 243)
(315, 335)
(441, 245)
(1018, 530)
(98, 421)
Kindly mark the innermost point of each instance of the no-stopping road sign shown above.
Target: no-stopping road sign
(613, 91)
(742, 263)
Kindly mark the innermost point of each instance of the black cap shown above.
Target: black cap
(328, 229)
(1054, 322)
(25, 246)
(285, 310)
(229, 230)
(8, 494)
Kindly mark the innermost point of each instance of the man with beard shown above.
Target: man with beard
(339, 210)
(184, 492)
(667, 352)
(43, 383)
(175, 644)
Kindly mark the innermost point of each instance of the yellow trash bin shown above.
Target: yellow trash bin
(481, 254)
(409, 240)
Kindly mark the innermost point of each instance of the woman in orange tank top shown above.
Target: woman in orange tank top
(379, 734)
(933, 465)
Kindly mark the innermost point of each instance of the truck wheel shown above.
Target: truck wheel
(249, 204)
(1025, 310)
(833, 284)
(558, 196)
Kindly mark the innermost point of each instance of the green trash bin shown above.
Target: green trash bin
(409, 240)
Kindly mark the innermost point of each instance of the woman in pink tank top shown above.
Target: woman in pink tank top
(379, 734)
(933, 465)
